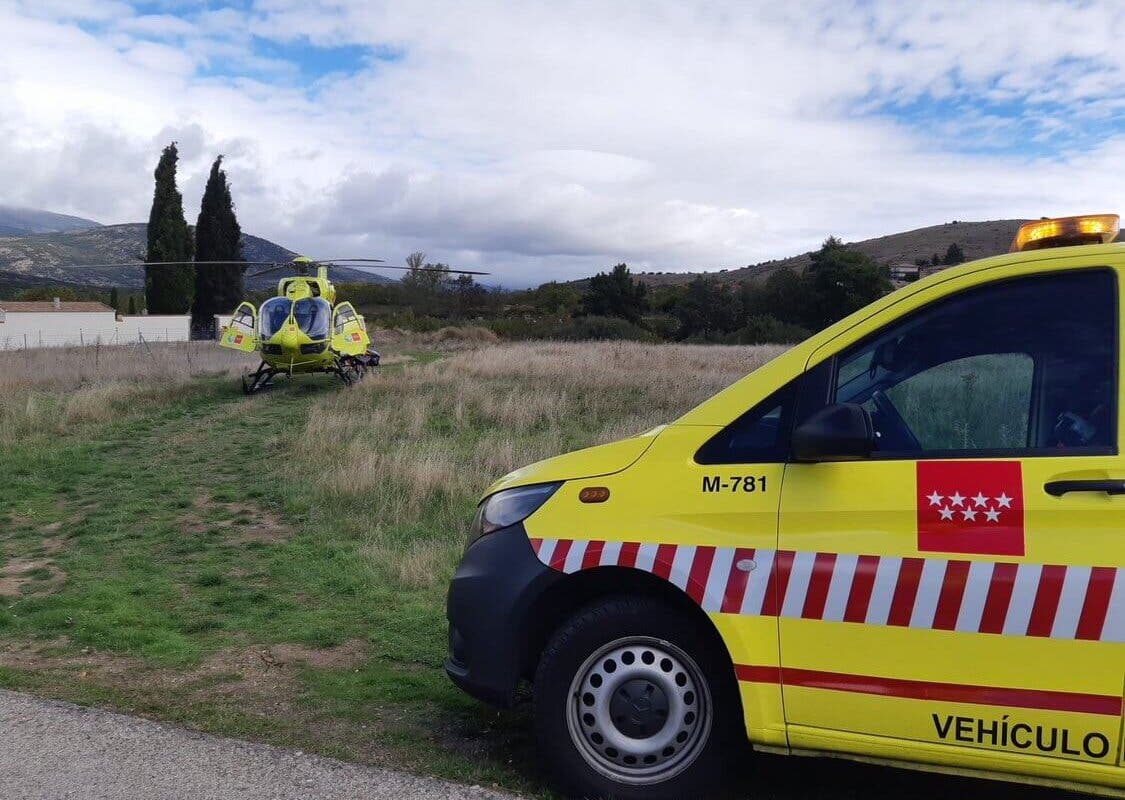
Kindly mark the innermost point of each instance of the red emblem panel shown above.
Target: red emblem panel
(970, 507)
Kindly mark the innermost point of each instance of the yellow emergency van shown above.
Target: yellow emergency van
(903, 540)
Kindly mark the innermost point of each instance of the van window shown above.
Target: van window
(760, 436)
(1027, 366)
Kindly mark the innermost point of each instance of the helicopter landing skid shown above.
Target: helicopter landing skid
(261, 378)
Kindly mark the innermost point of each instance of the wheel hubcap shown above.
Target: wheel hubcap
(639, 710)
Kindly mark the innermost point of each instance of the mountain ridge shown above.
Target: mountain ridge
(47, 257)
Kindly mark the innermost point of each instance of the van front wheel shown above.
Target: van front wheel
(632, 700)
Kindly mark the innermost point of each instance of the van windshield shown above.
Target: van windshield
(273, 315)
(313, 315)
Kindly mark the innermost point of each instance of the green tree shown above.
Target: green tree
(132, 305)
(954, 255)
(114, 300)
(218, 287)
(935, 259)
(615, 294)
(839, 280)
(168, 290)
(555, 298)
(707, 309)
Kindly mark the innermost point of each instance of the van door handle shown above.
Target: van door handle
(1059, 488)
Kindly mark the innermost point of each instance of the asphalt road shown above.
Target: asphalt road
(52, 750)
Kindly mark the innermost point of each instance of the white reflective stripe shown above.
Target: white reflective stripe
(883, 591)
(843, 572)
(573, 561)
(758, 582)
(799, 576)
(1114, 628)
(717, 580)
(611, 554)
(646, 556)
(1071, 601)
(681, 565)
(547, 549)
(1023, 599)
(977, 584)
(929, 592)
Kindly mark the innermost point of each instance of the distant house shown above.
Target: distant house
(60, 323)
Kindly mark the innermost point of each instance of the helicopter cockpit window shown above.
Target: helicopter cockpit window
(313, 315)
(273, 315)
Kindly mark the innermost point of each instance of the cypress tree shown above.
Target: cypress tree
(114, 302)
(218, 237)
(168, 290)
(132, 305)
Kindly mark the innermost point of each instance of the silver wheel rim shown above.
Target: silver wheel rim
(639, 711)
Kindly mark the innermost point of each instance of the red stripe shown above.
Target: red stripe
(862, 584)
(736, 582)
(999, 597)
(558, 558)
(1046, 601)
(593, 555)
(700, 570)
(536, 544)
(817, 595)
(665, 555)
(753, 674)
(952, 592)
(1107, 705)
(902, 605)
(628, 557)
(779, 582)
(1096, 605)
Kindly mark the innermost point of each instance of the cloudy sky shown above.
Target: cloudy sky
(549, 140)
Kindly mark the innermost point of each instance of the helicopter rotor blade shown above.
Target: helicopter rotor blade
(267, 271)
(161, 264)
(344, 260)
(450, 270)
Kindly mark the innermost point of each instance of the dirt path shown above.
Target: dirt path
(55, 750)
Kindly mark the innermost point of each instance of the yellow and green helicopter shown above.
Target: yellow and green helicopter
(302, 329)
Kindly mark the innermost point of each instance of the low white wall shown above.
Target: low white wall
(71, 329)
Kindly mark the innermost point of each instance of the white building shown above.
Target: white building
(70, 324)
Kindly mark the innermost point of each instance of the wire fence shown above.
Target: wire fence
(84, 337)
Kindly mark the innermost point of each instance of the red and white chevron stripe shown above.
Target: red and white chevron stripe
(1060, 602)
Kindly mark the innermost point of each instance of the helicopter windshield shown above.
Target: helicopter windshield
(313, 315)
(273, 314)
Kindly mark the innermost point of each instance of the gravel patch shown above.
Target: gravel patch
(54, 750)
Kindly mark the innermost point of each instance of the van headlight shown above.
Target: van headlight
(508, 507)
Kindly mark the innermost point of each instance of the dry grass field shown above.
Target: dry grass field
(274, 567)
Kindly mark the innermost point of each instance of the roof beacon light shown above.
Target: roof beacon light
(1066, 231)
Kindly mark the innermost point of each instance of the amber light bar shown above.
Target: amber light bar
(1066, 231)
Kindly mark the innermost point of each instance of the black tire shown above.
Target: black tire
(621, 629)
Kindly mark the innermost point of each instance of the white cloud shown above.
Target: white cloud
(551, 139)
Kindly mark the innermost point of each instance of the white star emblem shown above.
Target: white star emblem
(956, 498)
(969, 515)
(1004, 500)
(980, 500)
(946, 513)
(935, 498)
(992, 515)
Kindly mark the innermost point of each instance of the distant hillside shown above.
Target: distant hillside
(976, 239)
(44, 258)
(15, 221)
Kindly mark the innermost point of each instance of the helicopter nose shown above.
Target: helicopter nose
(290, 339)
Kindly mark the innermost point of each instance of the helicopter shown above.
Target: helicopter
(301, 329)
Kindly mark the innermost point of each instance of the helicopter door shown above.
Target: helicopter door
(239, 333)
(349, 333)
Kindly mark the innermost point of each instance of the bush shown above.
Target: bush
(764, 329)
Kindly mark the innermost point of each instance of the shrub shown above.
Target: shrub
(764, 329)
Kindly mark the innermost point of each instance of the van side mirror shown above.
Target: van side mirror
(839, 432)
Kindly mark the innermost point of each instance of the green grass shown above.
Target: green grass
(160, 577)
